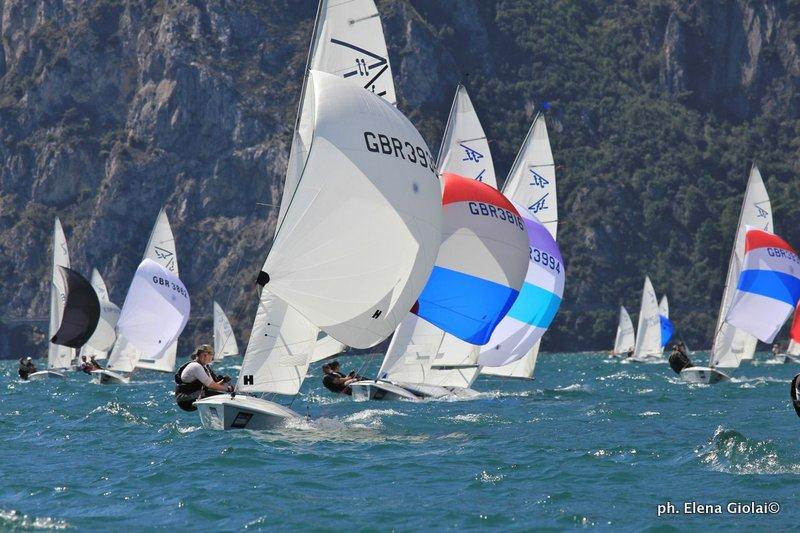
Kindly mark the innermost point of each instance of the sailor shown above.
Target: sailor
(94, 363)
(195, 379)
(776, 350)
(86, 366)
(629, 354)
(26, 367)
(678, 359)
(335, 381)
(794, 394)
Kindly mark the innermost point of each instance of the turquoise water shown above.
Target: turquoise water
(590, 442)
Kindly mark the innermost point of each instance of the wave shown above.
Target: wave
(11, 520)
(731, 452)
(118, 410)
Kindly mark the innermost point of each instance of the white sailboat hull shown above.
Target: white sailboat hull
(242, 412)
(366, 390)
(788, 358)
(107, 377)
(46, 374)
(703, 374)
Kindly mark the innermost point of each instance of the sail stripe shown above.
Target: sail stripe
(466, 305)
(776, 285)
(757, 238)
(474, 191)
(535, 306)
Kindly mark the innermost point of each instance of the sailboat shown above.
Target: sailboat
(354, 158)
(625, 340)
(731, 345)
(667, 327)
(124, 358)
(105, 335)
(161, 249)
(532, 183)
(59, 358)
(224, 338)
(154, 313)
(648, 331)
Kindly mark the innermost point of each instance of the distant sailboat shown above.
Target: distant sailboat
(532, 183)
(327, 270)
(105, 335)
(625, 340)
(730, 344)
(648, 331)
(224, 338)
(59, 358)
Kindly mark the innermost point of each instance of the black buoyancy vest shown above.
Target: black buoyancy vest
(329, 382)
(187, 388)
(678, 361)
(178, 379)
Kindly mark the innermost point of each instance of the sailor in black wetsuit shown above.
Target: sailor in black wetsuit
(794, 394)
(678, 359)
(26, 367)
(196, 380)
(335, 381)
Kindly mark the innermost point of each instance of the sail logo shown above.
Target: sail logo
(760, 212)
(167, 258)
(479, 177)
(383, 144)
(538, 180)
(471, 154)
(364, 68)
(539, 205)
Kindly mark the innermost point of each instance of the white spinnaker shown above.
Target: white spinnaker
(626, 336)
(347, 42)
(532, 183)
(648, 331)
(58, 356)
(278, 353)
(161, 249)
(105, 334)
(224, 338)
(325, 347)
(465, 149)
(357, 280)
(663, 307)
(732, 345)
(154, 314)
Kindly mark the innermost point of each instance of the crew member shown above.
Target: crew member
(26, 367)
(335, 381)
(94, 363)
(195, 380)
(678, 359)
(794, 394)
(86, 366)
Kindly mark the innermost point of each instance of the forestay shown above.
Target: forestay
(224, 338)
(465, 149)
(81, 311)
(626, 337)
(277, 356)
(537, 303)
(58, 356)
(768, 288)
(360, 235)
(161, 249)
(154, 314)
(105, 334)
(731, 345)
(648, 330)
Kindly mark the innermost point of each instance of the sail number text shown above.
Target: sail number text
(383, 144)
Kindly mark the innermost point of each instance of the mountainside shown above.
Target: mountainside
(110, 109)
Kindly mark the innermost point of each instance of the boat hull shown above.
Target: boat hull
(703, 374)
(787, 359)
(366, 390)
(107, 377)
(242, 412)
(46, 374)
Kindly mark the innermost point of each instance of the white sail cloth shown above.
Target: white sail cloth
(155, 311)
(626, 337)
(648, 331)
(58, 356)
(732, 345)
(105, 334)
(360, 237)
(224, 338)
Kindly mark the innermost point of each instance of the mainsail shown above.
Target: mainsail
(731, 345)
(648, 331)
(58, 356)
(105, 335)
(224, 339)
(81, 311)
(161, 249)
(532, 183)
(626, 337)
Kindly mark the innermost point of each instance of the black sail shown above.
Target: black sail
(81, 312)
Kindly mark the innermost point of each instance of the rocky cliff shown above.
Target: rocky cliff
(110, 109)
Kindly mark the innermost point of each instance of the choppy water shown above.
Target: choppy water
(590, 442)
